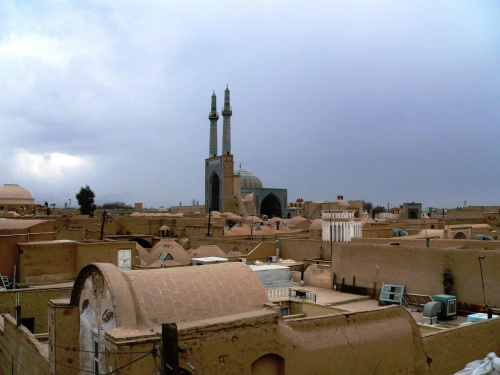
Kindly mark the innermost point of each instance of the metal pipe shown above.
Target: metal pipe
(24, 234)
(482, 280)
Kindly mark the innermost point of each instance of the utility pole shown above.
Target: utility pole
(169, 349)
(209, 219)
(104, 213)
(482, 280)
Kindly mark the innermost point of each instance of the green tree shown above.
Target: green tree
(85, 199)
(367, 206)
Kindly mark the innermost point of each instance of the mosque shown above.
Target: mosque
(239, 192)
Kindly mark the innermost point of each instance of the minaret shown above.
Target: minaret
(226, 128)
(213, 116)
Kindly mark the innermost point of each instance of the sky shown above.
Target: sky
(384, 101)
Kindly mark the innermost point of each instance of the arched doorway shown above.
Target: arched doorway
(412, 214)
(270, 206)
(269, 364)
(460, 236)
(215, 196)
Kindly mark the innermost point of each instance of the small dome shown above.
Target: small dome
(248, 180)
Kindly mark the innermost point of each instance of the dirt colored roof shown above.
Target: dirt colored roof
(480, 226)
(186, 294)
(316, 225)
(142, 253)
(207, 251)
(368, 220)
(295, 220)
(164, 263)
(171, 247)
(230, 215)
(164, 214)
(342, 203)
(18, 224)
(238, 231)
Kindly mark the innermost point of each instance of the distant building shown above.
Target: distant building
(15, 198)
(340, 226)
(412, 210)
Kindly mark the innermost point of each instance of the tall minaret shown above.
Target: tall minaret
(226, 128)
(213, 116)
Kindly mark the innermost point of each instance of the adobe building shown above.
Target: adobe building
(313, 210)
(16, 231)
(226, 191)
(226, 324)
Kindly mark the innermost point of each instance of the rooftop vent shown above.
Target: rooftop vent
(165, 256)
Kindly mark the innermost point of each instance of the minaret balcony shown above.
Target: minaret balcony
(213, 115)
(227, 111)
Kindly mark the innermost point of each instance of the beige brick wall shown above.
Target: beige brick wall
(33, 302)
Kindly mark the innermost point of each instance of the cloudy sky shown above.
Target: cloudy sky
(386, 101)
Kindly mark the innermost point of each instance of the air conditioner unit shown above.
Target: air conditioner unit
(448, 305)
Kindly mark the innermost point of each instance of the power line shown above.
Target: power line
(153, 350)
(46, 358)
(91, 351)
(20, 363)
(128, 364)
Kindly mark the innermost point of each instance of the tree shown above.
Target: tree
(116, 206)
(377, 210)
(85, 199)
(367, 206)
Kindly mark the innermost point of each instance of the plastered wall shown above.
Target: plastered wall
(56, 261)
(420, 269)
(9, 238)
(299, 249)
(63, 336)
(450, 350)
(20, 352)
(33, 303)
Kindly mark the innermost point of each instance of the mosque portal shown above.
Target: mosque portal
(215, 187)
(271, 206)
(460, 236)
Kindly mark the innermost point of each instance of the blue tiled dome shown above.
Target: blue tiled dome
(248, 180)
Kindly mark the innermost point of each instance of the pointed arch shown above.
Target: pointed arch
(269, 364)
(215, 192)
(271, 206)
(460, 236)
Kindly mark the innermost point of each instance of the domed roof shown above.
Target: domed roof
(248, 180)
(13, 193)
(342, 204)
